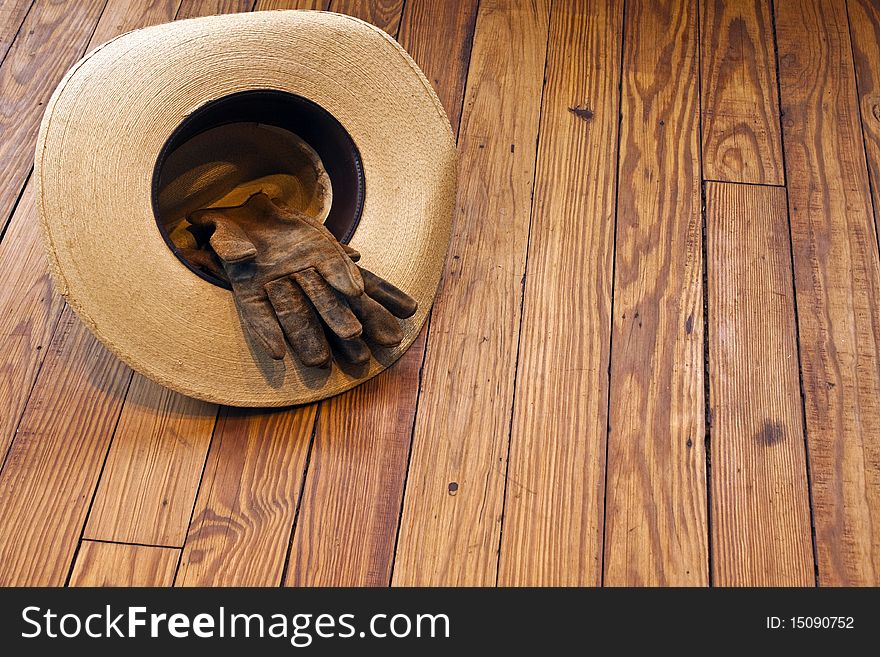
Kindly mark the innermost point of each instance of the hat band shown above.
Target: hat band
(304, 118)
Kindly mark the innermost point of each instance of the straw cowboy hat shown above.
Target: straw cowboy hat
(249, 209)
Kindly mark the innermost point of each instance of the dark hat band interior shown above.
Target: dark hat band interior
(304, 118)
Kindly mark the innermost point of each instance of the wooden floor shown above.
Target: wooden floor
(654, 358)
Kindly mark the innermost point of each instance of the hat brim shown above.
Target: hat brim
(97, 150)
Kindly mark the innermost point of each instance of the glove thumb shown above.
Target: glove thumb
(228, 240)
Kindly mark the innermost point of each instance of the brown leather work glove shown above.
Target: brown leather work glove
(284, 266)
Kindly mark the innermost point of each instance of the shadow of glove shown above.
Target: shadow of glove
(287, 270)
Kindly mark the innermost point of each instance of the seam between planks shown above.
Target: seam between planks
(82, 529)
(797, 324)
(17, 32)
(522, 297)
(704, 246)
(613, 278)
(131, 543)
(5, 226)
(707, 436)
(299, 499)
(731, 182)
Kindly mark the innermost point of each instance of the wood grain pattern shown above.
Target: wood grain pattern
(384, 14)
(291, 4)
(29, 311)
(443, 59)
(51, 39)
(30, 307)
(61, 394)
(195, 8)
(12, 14)
(740, 107)
(115, 564)
(52, 468)
(761, 532)
(244, 513)
(452, 512)
(153, 469)
(837, 278)
(351, 503)
(864, 25)
(33, 313)
(655, 525)
(121, 16)
(552, 531)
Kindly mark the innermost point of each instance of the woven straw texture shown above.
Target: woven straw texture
(98, 145)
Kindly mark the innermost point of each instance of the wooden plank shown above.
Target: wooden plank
(116, 564)
(153, 469)
(244, 513)
(837, 279)
(351, 502)
(761, 532)
(52, 468)
(291, 4)
(195, 8)
(552, 528)
(452, 511)
(52, 37)
(865, 29)
(12, 14)
(655, 525)
(443, 54)
(384, 14)
(121, 16)
(740, 105)
(29, 311)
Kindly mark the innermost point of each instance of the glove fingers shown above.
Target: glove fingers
(299, 321)
(354, 254)
(342, 274)
(259, 316)
(397, 301)
(353, 351)
(380, 326)
(333, 311)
